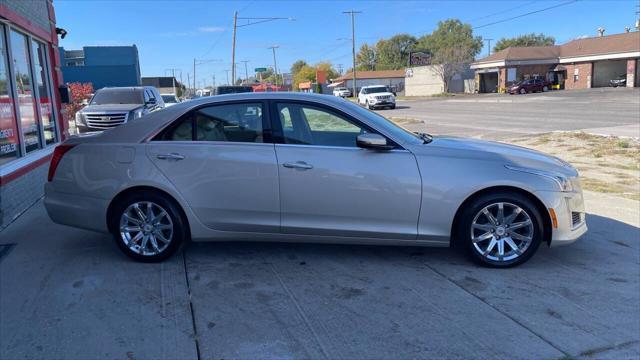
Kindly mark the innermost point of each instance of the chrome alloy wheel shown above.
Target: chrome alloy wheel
(146, 228)
(502, 231)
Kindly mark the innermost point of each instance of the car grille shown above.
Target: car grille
(384, 97)
(576, 218)
(105, 121)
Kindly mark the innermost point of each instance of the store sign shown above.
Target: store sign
(419, 58)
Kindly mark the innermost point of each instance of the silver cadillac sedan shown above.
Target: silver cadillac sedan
(308, 168)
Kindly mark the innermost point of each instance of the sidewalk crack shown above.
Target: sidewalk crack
(189, 295)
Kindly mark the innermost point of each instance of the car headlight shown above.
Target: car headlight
(80, 118)
(138, 114)
(563, 182)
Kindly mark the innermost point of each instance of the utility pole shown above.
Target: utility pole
(246, 72)
(194, 75)
(227, 71)
(213, 78)
(173, 77)
(488, 44)
(353, 44)
(233, 46)
(275, 63)
(188, 81)
(250, 21)
(340, 69)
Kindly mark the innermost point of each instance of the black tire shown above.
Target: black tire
(392, 107)
(180, 233)
(545, 89)
(463, 232)
(523, 91)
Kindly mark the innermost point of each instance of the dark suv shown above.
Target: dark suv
(111, 107)
(529, 86)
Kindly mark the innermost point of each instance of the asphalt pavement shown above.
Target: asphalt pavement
(605, 111)
(68, 293)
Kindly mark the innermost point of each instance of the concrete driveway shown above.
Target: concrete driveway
(68, 293)
(499, 116)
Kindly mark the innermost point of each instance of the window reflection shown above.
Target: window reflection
(9, 146)
(23, 82)
(41, 82)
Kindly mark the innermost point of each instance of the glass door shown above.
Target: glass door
(9, 144)
(41, 82)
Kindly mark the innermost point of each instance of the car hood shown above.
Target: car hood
(111, 107)
(494, 151)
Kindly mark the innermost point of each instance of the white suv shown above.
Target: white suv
(377, 96)
(342, 92)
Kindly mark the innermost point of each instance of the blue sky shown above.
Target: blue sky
(169, 34)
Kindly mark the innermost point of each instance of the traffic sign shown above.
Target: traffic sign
(260, 69)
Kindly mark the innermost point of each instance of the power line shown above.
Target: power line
(501, 12)
(525, 14)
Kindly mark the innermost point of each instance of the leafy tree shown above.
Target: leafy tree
(393, 54)
(452, 46)
(306, 73)
(80, 92)
(297, 66)
(532, 39)
(366, 58)
(328, 68)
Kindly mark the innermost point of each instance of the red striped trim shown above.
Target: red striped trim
(4, 180)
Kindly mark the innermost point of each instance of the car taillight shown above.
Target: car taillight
(58, 153)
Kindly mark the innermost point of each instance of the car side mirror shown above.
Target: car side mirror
(151, 102)
(373, 141)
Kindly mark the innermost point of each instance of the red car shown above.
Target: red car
(528, 86)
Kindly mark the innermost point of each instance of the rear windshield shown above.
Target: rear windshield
(233, 89)
(374, 90)
(118, 96)
(169, 98)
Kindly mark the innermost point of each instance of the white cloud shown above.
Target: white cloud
(211, 29)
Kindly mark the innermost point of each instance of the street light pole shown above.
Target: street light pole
(275, 63)
(353, 44)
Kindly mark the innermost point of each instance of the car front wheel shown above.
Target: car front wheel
(149, 227)
(523, 91)
(501, 230)
(545, 89)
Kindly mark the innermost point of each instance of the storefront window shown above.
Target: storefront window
(41, 82)
(24, 90)
(9, 146)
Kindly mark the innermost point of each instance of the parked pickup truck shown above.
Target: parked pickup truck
(110, 107)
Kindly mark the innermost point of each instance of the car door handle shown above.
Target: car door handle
(298, 165)
(171, 156)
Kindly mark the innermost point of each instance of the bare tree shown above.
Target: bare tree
(451, 61)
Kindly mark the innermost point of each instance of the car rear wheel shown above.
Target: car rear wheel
(523, 91)
(500, 230)
(545, 88)
(148, 227)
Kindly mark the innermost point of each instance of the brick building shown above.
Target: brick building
(578, 64)
(30, 110)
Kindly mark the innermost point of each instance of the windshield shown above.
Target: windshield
(169, 99)
(377, 89)
(406, 135)
(117, 96)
